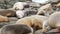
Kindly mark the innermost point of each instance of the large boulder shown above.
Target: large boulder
(38, 32)
(5, 4)
(52, 31)
(54, 0)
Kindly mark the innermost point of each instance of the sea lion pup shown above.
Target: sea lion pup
(20, 14)
(8, 13)
(16, 29)
(52, 22)
(4, 19)
(58, 7)
(19, 5)
(45, 10)
(34, 21)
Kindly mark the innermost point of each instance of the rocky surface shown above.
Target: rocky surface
(8, 3)
(30, 9)
(52, 31)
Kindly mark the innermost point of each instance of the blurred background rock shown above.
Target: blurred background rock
(5, 4)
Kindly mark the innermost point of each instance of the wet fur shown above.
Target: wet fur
(17, 29)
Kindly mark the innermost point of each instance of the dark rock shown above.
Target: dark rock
(38, 32)
(53, 31)
(29, 11)
(54, 0)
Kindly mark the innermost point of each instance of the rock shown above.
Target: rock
(54, 31)
(13, 18)
(30, 11)
(54, 0)
(5, 4)
(11, 9)
(38, 32)
(3, 18)
(0, 30)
